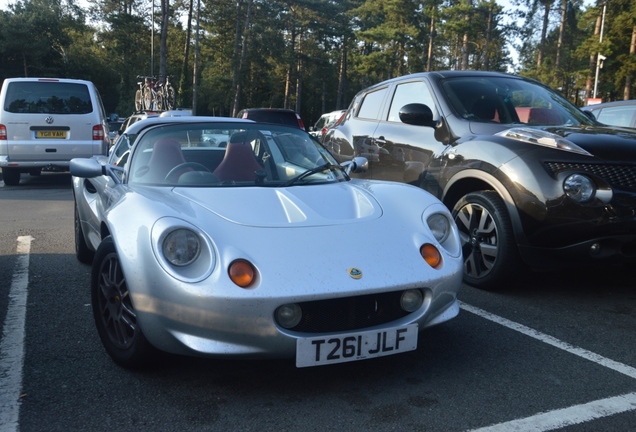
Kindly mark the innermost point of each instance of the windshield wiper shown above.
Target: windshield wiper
(323, 167)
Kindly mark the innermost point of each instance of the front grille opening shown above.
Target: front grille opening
(350, 313)
(618, 176)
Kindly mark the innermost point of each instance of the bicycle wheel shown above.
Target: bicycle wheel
(158, 101)
(138, 100)
(147, 99)
(170, 97)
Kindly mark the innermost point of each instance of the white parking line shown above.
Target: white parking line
(12, 343)
(567, 416)
(588, 355)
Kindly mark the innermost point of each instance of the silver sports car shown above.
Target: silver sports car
(224, 237)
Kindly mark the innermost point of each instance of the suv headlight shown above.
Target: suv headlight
(542, 138)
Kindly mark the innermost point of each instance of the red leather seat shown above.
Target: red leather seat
(239, 162)
(166, 154)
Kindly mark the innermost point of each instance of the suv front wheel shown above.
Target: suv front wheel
(488, 245)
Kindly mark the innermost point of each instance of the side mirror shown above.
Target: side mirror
(590, 114)
(356, 165)
(417, 114)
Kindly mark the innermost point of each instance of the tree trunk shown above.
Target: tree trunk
(469, 3)
(488, 38)
(181, 94)
(564, 8)
(163, 44)
(342, 76)
(290, 68)
(431, 39)
(238, 69)
(628, 78)
(544, 32)
(592, 68)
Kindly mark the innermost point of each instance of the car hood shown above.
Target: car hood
(609, 144)
(313, 205)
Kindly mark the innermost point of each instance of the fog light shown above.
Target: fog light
(579, 188)
(289, 315)
(595, 249)
(411, 300)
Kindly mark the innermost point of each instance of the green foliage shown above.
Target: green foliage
(310, 55)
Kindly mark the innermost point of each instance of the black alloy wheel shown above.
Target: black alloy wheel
(113, 310)
(487, 238)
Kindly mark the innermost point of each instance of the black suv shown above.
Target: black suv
(273, 115)
(529, 177)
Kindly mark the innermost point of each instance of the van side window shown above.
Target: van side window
(371, 104)
(411, 92)
(42, 97)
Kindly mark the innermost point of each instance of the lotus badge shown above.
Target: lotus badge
(355, 273)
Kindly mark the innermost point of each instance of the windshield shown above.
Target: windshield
(510, 101)
(199, 154)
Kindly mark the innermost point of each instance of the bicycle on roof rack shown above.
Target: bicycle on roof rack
(154, 94)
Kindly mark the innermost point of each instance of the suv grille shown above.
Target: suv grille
(619, 176)
(350, 313)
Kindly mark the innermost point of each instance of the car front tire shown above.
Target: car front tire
(113, 310)
(488, 243)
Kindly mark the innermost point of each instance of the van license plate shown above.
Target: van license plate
(348, 347)
(55, 134)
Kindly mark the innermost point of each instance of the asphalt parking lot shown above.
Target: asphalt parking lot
(554, 352)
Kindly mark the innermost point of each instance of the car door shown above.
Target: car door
(407, 152)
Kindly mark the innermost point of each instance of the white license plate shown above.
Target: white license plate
(348, 347)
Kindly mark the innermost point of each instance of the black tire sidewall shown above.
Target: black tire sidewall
(507, 261)
(140, 352)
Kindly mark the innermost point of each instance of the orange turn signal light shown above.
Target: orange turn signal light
(242, 273)
(431, 255)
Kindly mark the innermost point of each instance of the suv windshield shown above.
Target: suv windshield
(43, 97)
(230, 154)
(510, 101)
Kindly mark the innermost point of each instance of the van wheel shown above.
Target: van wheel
(11, 176)
(488, 243)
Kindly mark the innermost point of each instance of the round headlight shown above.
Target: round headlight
(181, 247)
(411, 300)
(439, 225)
(289, 315)
(579, 188)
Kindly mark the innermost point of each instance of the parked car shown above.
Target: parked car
(273, 115)
(137, 116)
(619, 113)
(113, 130)
(528, 176)
(45, 122)
(325, 120)
(262, 248)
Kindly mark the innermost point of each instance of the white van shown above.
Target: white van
(46, 122)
